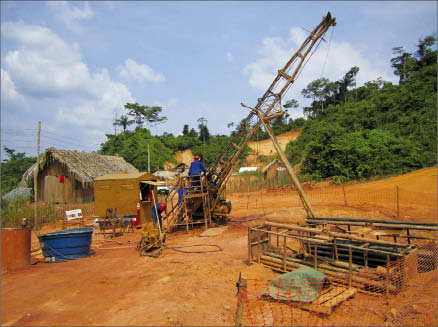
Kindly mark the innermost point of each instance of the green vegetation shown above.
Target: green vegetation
(13, 169)
(132, 146)
(376, 129)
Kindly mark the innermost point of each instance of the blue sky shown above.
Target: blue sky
(73, 65)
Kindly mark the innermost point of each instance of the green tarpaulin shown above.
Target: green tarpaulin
(301, 285)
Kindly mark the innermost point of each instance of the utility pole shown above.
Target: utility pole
(35, 176)
(149, 160)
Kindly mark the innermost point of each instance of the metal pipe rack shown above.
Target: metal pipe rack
(369, 264)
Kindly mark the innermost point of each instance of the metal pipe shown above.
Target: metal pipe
(341, 245)
(382, 221)
(333, 234)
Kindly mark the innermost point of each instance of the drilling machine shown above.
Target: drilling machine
(207, 203)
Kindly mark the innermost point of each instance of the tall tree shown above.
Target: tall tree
(424, 54)
(403, 63)
(123, 121)
(136, 111)
(292, 103)
(349, 80)
(192, 133)
(204, 134)
(11, 154)
(145, 114)
(316, 90)
(152, 116)
(185, 130)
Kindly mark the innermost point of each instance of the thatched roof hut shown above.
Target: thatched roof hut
(75, 170)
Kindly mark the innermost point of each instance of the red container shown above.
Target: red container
(136, 219)
(15, 248)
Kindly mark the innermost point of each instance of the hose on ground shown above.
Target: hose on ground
(176, 248)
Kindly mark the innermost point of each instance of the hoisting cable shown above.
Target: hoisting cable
(305, 63)
(328, 50)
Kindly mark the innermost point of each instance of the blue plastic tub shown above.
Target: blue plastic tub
(67, 244)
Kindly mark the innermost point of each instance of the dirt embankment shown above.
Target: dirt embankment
(185, 156)
(266, 148)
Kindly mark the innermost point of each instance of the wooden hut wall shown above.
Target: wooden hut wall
(52, 190)
(83, 194)
(271, 172)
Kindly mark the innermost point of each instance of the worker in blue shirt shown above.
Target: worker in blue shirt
(196, 168)
(158, 208)
(181, 192)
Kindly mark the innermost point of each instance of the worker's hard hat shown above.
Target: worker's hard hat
(162, 206)
(197, 157)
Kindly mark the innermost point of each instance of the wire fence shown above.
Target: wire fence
(395, 295)
(391, 201)
(12, 214)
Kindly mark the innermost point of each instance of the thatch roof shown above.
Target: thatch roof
(83, 167)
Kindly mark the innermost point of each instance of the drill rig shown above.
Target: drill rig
(203, 201)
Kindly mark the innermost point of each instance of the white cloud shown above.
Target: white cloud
(8, 90)
(110, 96)
(276, 51)
(229, 56)
(71, 15)
(49, 73)
(138, 72)
(43, 64)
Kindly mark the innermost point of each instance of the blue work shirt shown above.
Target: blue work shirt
(154, 215)
(181, 192)
(196, 168)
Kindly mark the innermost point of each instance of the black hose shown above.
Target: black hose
(238, 221)
(175, 248)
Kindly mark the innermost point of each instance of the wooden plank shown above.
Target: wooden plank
(323, 298)
(330, 300)
(350, 292)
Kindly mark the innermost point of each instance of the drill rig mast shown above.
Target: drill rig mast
(268, 107)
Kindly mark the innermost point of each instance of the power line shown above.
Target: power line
(8, 140)
(18, 129)
(64, 137)
(70, 143)
(17, 134)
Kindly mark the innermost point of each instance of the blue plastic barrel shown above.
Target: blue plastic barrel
(67, 244)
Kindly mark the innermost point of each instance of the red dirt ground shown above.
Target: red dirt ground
(116, 286)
